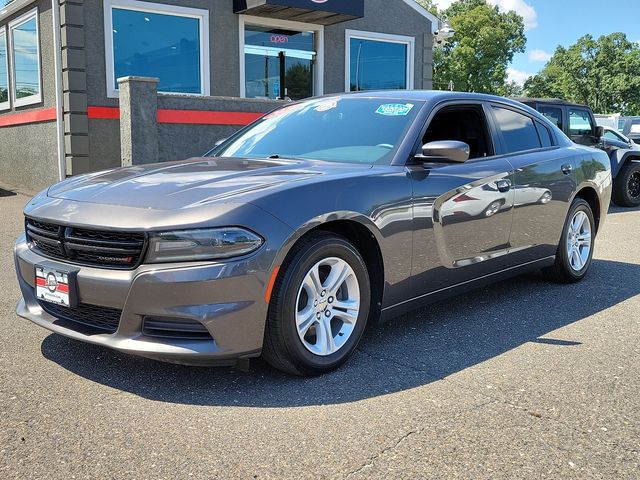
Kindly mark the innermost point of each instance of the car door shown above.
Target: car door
(543, 183)
(582, 127)
(462, 211)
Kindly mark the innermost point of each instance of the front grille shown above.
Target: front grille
(102, 318)
(122, 250)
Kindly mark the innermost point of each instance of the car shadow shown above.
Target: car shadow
(410, 351)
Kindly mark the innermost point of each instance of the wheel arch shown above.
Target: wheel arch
(590, 195)
(358, 230)
(616, 167)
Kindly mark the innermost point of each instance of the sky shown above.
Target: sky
(550, 23)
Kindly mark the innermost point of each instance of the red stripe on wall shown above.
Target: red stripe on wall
(185, 117)
(104, 113)
(23, 118)
(200, 117)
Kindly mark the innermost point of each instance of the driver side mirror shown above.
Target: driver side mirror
(599, 132)
(443, 151)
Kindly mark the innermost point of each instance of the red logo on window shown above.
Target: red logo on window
(279, 39)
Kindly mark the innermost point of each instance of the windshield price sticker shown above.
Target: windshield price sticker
(395, 109)
(326, 106)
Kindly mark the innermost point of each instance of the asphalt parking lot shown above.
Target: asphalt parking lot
(520, 380)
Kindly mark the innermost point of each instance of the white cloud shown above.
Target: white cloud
(517, 76)
(521, 7)
(442, 4)
(538, 55)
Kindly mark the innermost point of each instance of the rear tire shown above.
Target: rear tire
(626, 186)
(575, 251)
(319, 306)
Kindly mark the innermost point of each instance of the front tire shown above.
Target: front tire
(575, 251)
(626, 186)
(319, 306)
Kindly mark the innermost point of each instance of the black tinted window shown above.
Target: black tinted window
(545, 135)
(552, 113)
(518, 131)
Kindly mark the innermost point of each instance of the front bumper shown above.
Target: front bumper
(227, 298)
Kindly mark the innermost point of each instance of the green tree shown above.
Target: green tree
(602, 73)
(428, 4)
(477, 57)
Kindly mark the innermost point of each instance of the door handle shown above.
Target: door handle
(567, 169)
(503, 185)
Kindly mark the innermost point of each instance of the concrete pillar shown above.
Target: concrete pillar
(138, 120)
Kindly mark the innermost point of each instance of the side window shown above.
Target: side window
(464, 123)
(519, 131)
(580, 122)
(25, 56)
(4, 71)
(609, 135)
(545, 135)
(552, 113)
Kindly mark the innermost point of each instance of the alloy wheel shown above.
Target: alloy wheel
(634, 185)
(327, 306)
(493, 209)
(579, 241)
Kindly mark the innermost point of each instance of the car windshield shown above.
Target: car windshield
(352, 130)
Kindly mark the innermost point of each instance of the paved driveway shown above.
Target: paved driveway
(520, 380)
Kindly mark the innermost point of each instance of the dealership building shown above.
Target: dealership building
(218, 65)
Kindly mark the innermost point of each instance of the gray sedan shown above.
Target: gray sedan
(318, 219)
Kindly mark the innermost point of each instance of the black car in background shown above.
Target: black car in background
(578, 123)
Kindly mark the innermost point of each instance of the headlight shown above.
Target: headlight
(194, 245)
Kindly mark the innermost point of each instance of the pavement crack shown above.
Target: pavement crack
(415, 431)
(371, 460)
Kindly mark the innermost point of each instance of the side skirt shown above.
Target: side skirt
(393, 311)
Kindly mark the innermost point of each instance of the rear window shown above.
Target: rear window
(554, 114)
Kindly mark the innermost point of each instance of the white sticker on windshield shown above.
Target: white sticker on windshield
(326, 106)
(395, 109)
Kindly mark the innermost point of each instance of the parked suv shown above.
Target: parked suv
(630, 127)
(579, 124)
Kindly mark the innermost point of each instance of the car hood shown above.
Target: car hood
(192, 183)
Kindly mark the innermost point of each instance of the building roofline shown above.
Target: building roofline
(12, 7)
(435, 21)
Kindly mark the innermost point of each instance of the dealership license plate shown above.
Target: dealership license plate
(52, 285)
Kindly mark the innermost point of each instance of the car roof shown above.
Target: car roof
(435, 96)
(552, 101)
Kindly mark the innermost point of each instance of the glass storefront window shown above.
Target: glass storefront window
(4, 71)
(26, 60)
(156, 40)
(378, 65)
(265, 50)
